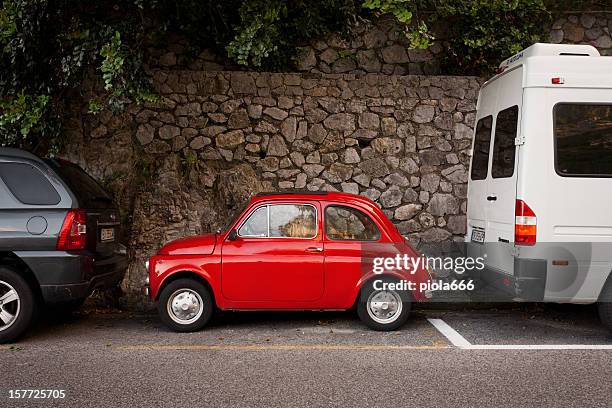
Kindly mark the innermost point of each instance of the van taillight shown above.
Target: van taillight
(73, 234)
(525, 224)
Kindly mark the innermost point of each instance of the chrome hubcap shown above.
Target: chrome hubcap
(185, 306)
(10, 305)
(384, 306)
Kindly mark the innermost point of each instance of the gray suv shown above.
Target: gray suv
(58, 238)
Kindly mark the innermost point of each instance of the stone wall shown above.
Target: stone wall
(381, 47)
(216, 138)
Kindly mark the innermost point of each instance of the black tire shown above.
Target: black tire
(23, 309)
(604, 305)
(397, 321)
(192, 287)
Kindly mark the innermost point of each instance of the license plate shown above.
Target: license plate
(107, 234)
(478, 235)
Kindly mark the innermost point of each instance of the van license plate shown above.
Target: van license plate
(478, 235)
(107, 234)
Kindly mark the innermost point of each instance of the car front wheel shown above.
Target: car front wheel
(185, 305)
(383, 310)
(17, 305)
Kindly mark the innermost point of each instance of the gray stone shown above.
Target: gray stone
(457, 224)
(254, 111)
(364, 134)
(230, 140)
(408, 165)
(435, 235)
(456, 174)
(168, 132)
(362, 179)
(297, 158)
(300, 180)
(407, 212)
(329, 56)
(430, 182)
(395, 54)
(277, 146)
(462, 131)
(276, 113)
(350, 156)
(351, 188)
(387, 146)
(368, 61)
(312, 170)
(306, 59)
(145, 134)
(375, 167)
(423, 114)
(239, 119)
(317, 133)
(314, 157)
(443, 204)
(289, 128)
(369, 120)
(338, 172)
(342, 65)
(397, 179)
(340, 121)
(372, 193)
(391, 198)
(243, 83)
(189, 109)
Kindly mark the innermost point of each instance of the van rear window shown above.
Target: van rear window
(504, 148)
(583, 139)
(482, 143)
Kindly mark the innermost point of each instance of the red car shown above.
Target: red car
(291, 251)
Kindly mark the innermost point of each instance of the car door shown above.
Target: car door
(276, 255)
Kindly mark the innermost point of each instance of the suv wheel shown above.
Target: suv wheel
(17, 305)
(383, 310)
(185, 305)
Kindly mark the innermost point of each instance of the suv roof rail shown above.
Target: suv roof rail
(19, 153)
(273, 193)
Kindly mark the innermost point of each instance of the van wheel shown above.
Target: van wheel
(383, 310)
(17, 305)
(605, 305)
(185, 305)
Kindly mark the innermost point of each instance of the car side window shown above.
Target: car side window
(482, 144)
(281, 221)
(28, 184)
(347, 223)
(504, 147)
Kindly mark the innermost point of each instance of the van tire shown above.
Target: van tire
(190, 293)
(604, 305)
(367, 313)
(26, 311)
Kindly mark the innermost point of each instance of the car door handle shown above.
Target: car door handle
(491, 198)
(314, 249)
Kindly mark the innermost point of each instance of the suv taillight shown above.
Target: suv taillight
(73, 234)
(525, 224)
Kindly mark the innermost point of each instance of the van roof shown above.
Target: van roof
(543, 62)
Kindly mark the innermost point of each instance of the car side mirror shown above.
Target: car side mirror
(232, 235)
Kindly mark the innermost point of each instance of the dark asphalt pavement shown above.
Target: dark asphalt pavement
(313, 360)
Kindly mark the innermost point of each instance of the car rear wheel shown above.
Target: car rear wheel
(383, 310)
(17, 305)
(185, 305)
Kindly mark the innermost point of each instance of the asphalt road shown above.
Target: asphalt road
(314, 360)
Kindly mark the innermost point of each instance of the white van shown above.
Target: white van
(540, 186)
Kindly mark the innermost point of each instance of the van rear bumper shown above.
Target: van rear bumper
(527, 284)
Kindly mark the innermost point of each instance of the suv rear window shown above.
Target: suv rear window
(504, 148)
(28, 184)
(583, 139)
(482, 143)
(87, 190)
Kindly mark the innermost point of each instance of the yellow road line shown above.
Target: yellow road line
(259, 347)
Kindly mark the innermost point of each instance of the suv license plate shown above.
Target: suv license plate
(107, 234)
(478, 235)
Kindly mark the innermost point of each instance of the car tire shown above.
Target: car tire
(604, 305)
(185, 305)
(18, 308)
(373, 312)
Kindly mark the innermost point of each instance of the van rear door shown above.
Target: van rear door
(493, 173)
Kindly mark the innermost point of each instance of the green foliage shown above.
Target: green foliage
(476, 34)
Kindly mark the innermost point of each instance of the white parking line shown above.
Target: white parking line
(451, 334)
(459, 341)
